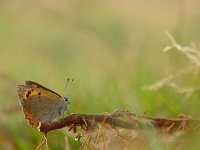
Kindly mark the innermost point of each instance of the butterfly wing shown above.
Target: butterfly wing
(39, 104)
(36, 85)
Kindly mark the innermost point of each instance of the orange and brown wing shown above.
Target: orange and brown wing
(39, 86)
(39, 105)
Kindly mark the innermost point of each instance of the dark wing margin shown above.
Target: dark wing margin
(40, 86)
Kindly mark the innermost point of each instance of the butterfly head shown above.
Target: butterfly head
(67, 100)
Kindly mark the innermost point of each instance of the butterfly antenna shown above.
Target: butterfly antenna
(66, 84)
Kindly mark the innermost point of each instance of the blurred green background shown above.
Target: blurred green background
(111, 49)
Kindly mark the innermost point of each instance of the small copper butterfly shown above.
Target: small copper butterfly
(40, 104)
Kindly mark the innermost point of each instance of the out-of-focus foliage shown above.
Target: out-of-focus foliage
(111, 48)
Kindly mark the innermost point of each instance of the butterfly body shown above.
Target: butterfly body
(40, 104)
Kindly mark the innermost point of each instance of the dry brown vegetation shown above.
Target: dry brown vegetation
(120, 129)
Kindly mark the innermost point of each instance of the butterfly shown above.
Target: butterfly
(40, 104)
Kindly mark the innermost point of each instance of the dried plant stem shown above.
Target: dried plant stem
(85, 120)
(166, 80)
(121, 119)
(44, 140)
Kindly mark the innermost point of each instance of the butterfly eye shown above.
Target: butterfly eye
(67, 99)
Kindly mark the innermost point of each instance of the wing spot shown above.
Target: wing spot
(32, 90)
(29, 92)
(39, 93)
(27, 95)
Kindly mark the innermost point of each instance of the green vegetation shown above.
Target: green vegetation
(111, 49)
